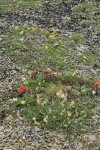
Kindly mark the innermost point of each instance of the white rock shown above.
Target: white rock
(1, 128)
(92, 137)
(79, 146)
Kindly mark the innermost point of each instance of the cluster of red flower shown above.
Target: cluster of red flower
(96, 85)
(49, 71)
(22, 89)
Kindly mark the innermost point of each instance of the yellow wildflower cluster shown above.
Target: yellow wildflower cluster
(69, 114)
(46, 47)
(13, 100)
(73, 74)
(22, 102)
(45, 119)
(38, 101)
(32, 28)
(62, 95)
(60, 41)
(52, 37)
(35, 121)
(44, 102)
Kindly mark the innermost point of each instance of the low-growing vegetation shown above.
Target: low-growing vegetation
(57, 102)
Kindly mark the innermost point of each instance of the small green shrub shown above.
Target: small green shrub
(77, 38)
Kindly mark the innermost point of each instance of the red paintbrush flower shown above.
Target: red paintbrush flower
(20, 91)
(97, 84)
(21, 87)
(48, 70)
(59, 74)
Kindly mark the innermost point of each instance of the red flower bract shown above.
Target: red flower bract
(59, 74)
(48, 70)
(22, 89)
(96, 84)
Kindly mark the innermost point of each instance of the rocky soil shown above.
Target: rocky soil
(16, 133)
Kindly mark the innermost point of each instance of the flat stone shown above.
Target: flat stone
(7, 148)
(92, 137)
(9, 118)
(1, 128)
(37, 129)
(1, 135)
(79, 146)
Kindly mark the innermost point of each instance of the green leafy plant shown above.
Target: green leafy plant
(77, 38)
(49, 107)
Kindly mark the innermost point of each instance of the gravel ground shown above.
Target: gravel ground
(16, 133)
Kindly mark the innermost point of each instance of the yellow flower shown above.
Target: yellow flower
(63, 110)
(60, 94)
(29, 28)
(93, 92)
(45, 119)
(14, 99)
(60, 41)
(44, 103)
(46, 47)
(72, 104)
(16, 27)
(36, 123)
(10, 5)
(62, 103)
(22, 102)
(34, 118)
(33, 29)
(61, 113)
(63, 96)
(21, 32)
(84, 57)
(73, 74)
(49, 110)
(69, 114)
(83, 90)
(38, 101)
(52, 37)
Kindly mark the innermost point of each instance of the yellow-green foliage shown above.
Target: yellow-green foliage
(77, 38)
